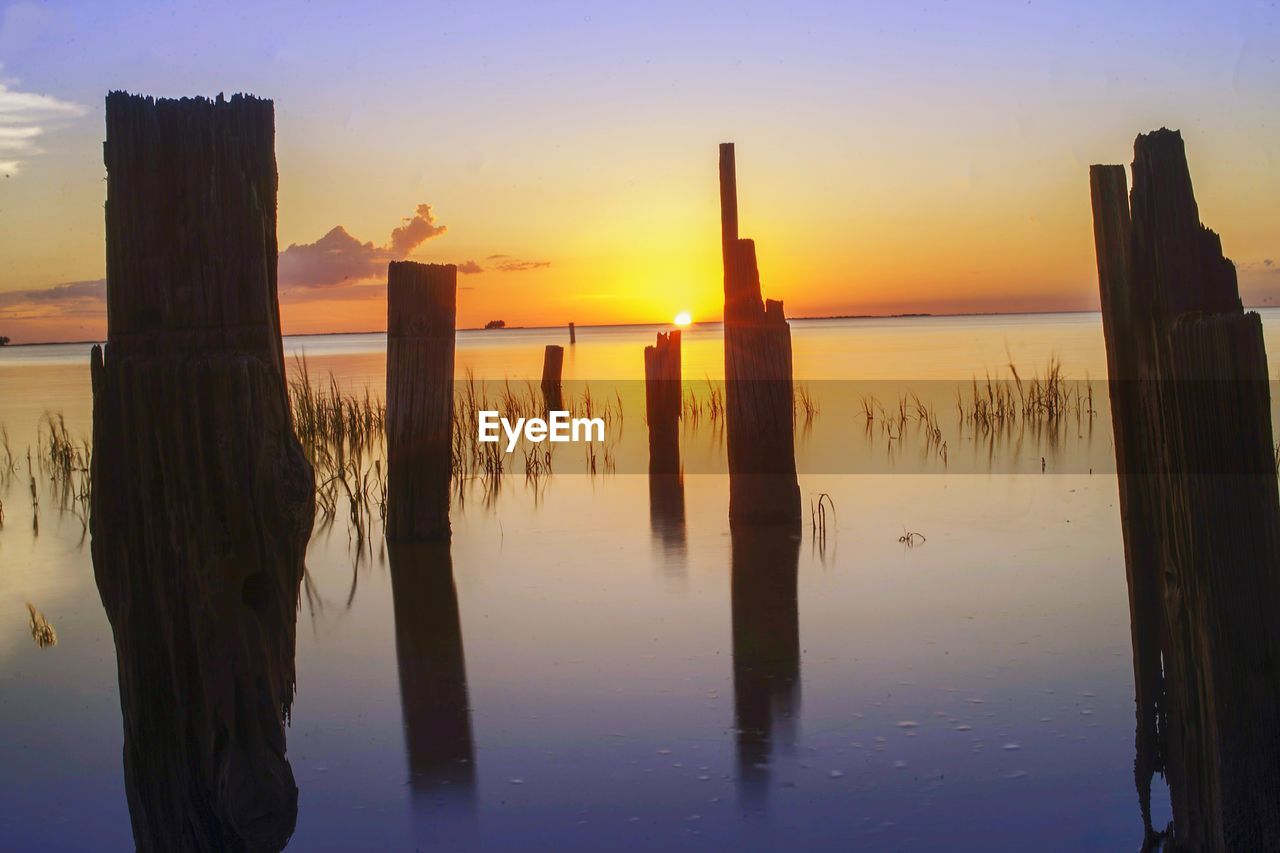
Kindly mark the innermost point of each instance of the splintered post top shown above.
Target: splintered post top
(728, 201)
(191, 219)
(421, 299)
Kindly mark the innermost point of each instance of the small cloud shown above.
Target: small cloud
(520, 266)
(1266, 265)
(469, 268)
(417, 229)
(24, 118)
(339, 257)
(74, 298)
(496, 257)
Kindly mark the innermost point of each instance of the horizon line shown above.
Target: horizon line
(906, 315)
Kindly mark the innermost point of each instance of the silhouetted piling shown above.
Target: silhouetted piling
(1128, 336)
(421, 311)
(1199, 502)
(662, 402)
(760, 432)
(573, 335)
(552, 367)
(202, 498)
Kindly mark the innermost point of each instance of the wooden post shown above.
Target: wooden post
(421, 309)
(662, 402)
(552, 365)
(433, 671)
(573, 336)
(1206, 494)
(766, 646)
(760, 431)
(1128, 335)
(202, 498)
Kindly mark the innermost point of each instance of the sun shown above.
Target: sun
(683, 319)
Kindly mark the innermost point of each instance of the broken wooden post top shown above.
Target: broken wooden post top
(552, 365)
(728, 201)
(1177, 258)
(665, 341)
(421, 300)
(185, 176)
(742, 302)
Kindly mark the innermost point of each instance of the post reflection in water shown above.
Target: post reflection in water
(667, 519)
(766, 650)
(433, 677)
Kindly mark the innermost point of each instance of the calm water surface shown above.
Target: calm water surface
(973, 691)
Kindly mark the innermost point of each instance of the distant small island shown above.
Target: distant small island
(496, 324)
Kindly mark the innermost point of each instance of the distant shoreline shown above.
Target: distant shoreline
(906, 316)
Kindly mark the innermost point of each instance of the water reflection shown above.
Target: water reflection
(766, 651)
(667, 520)
(433, 675)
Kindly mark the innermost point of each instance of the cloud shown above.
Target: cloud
(339, 257)
(76, 298)
(334, 258)
(520, 266)
(469, 268)
(1266, 265)
(24, 118)
(417, 230)
(510, 264)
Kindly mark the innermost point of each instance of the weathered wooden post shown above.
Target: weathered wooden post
(662, 393)
(1128, 335)
(202, 498)
(552, 366)
(760, 431)
(766, 646)
(573, 336)
(421, 309)
(433, 671)
(1199, 489)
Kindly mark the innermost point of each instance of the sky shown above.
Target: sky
(892, 157)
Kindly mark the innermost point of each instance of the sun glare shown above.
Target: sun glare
(683, 319)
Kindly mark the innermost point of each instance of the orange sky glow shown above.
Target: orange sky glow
(885, 165)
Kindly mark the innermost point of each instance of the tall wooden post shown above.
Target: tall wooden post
(573, 335)
(1128, 333)
(552, 366)
(760, 431)
(662, 402)
(1201, 508)
(202, 498)
(421, 310)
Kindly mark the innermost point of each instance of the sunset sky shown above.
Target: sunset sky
(892, 157)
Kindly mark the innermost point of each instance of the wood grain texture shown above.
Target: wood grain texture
(1199, 503)
(421, 322)
(760, 428)
(662, 394)
(202, 498)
